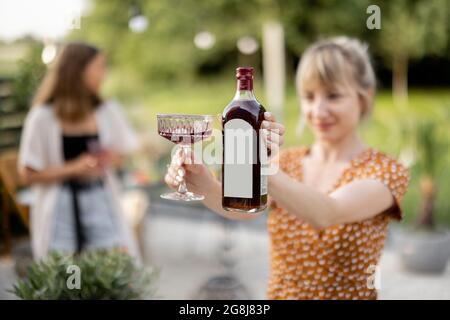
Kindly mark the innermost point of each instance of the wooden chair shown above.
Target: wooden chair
(10, 184)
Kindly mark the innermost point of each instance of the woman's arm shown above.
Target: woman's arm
(84, 166)
(213, 200)
(356, 201)
(50, 175)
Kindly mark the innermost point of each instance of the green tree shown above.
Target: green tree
(307, 21)
(411, 29)
(30, 72)
(166, 50)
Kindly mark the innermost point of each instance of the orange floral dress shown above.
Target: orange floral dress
(337, 262)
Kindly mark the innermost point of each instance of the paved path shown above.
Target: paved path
(188, 253)
(7, 277)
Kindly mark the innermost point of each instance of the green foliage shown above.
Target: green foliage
(431, 147)
(31, 69)
(427, 146)
(104, 275)
(166, 51)
(306, 21)
(425, 134)
(412, 29)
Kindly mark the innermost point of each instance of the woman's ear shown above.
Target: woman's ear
(363, 105)
(365, 101)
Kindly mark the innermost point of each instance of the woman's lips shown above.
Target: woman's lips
(323, 126)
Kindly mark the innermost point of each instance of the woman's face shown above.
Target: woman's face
(95, 72)
(332, 114)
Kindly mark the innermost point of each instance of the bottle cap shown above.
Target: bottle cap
(244, 73)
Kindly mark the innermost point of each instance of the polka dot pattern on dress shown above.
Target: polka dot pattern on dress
(337, 262)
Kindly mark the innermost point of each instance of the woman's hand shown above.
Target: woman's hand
(196, 175)
(86, 166)
(274, 136)
(110, 159)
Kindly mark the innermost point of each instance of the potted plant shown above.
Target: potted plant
(92, 275)
(426, 246)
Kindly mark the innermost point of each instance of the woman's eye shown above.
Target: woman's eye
(333, 96)
(308, 96)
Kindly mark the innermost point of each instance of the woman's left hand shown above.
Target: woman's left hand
(274, 136)
(110, 159)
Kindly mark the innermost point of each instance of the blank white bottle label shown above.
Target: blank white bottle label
(240, 154)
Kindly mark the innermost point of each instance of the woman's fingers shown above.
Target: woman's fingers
(273, 138)
(182, 162)
(176, 171)
(270, 123)
(273, 126)
(170, 181)
(178, 158)
(273, 142)
(275, 131)
(269, 116)
(174, 175)
(274, 147)
(183, 156)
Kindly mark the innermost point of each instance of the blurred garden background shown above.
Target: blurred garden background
(176, 56)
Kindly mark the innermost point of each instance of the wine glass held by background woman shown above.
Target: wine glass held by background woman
(332, 201)
(71, 144)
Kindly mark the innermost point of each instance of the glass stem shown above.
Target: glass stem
(182, 186)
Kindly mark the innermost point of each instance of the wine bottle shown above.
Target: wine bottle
(244, 184)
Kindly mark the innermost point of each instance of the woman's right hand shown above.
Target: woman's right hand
(86, 166)
(197, 176)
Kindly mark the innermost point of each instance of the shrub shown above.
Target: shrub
(104, 274)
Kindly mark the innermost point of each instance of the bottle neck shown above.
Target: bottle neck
(244, 90)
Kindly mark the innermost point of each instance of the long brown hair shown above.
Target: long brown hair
(63, 86)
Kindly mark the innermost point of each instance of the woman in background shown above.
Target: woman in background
(71, 144)
(333, 200)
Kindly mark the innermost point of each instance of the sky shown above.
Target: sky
(42, 19)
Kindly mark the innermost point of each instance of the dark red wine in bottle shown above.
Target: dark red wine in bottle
(244, 183)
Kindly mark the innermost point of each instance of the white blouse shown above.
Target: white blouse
(41, 147)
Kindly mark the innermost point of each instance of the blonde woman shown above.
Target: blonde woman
(331, 201)
(71, 144)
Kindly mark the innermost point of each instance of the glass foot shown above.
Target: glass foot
(188, 196)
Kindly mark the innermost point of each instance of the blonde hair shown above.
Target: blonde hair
(339, 62)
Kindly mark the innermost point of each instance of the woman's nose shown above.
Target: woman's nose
(320, 109)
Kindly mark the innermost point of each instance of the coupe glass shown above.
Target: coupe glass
(184, 130)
